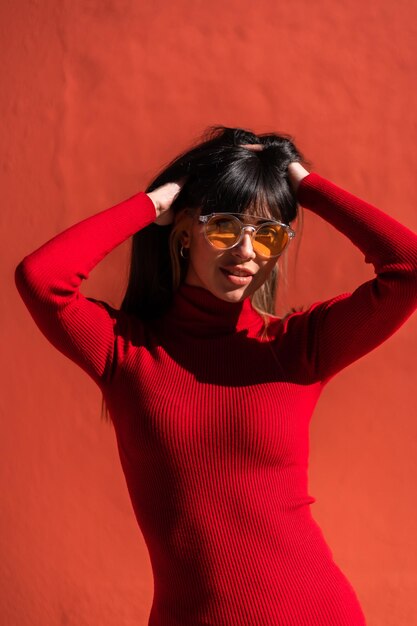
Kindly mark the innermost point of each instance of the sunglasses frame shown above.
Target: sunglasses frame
(204, 219)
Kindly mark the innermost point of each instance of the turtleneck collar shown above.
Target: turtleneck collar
(199, 312)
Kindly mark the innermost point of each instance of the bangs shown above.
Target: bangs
(250, 187)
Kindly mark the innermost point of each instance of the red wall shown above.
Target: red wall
(96, 96)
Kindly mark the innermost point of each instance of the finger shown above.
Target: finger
(257, 147)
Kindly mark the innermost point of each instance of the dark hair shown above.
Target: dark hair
(221, 176)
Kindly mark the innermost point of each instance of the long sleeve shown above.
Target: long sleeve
(344, 328)
(48, 280)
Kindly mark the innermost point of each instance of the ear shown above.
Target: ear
(186, 230)
(185, 239)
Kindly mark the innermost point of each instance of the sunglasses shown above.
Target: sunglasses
(225, 231)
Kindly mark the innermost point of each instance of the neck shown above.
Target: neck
(200, 312)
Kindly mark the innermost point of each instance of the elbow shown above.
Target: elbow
(26, 280)
(21, 276)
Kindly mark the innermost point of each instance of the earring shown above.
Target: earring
(182, 252)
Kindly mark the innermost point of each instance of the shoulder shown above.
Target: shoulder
(297, 320)
(274, 323)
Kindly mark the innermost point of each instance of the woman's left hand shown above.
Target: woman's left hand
(296, 173)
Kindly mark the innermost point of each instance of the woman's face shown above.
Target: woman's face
(231, 275)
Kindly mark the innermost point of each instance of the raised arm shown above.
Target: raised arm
(348, 326)
(48, 280)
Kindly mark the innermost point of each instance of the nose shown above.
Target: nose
(244, 249)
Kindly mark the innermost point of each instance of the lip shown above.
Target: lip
(243, 279)
(242, 271)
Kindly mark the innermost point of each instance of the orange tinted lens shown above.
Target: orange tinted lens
(270, 240)
(223, 232)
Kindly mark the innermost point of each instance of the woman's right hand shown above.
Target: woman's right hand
(296, 173)
(163, 197)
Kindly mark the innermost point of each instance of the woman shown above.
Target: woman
(210, 394)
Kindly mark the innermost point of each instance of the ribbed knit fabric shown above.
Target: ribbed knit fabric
(212, 420)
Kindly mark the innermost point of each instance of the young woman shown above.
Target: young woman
(210, 394)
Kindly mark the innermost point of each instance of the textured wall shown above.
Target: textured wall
(96, 96)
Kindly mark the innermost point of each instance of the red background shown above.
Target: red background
(96, 97)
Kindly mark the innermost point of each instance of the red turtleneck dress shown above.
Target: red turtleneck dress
(212, 421)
